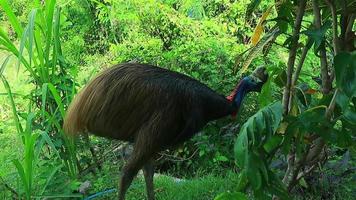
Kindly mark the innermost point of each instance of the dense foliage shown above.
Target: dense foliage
(287, 141)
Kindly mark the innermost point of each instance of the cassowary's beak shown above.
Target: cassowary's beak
(260, 77)
(261, 74)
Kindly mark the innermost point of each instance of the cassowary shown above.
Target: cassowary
(151, 107)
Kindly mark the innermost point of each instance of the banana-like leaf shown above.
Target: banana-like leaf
(259, 28)
(256, 137)
(272, 34)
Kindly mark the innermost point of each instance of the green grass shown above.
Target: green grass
(206, 187)
(11, 145)
(166, 187)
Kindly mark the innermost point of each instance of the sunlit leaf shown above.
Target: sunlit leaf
(259, 28)
(254, 52)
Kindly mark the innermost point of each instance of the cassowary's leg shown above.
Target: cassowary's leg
(141, 154)
(148, 172)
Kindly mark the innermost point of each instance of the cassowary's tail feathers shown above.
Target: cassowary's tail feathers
(86, 105)
(72, 124)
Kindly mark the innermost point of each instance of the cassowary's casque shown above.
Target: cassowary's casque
(152, 107)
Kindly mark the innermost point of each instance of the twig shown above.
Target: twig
(305, 172)
(290, 161)
(296, 170)
(176, 158)
(100, 160)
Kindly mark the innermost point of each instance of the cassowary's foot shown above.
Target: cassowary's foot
(148, 172)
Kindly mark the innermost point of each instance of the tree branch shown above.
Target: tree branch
(334, 26)
(300, 64)
(292, 55)
(325, 78)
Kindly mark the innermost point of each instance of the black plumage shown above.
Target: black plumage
(152, 107)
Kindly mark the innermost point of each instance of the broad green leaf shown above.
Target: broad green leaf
(284, 16)
(222, 158)
(241, 148)
(350, 116)
(343, 138)
(312, 116)
(255, 129)
(265, 96)
(317, 36)
(303, 183)
(345, 72)
(342, 100)
(253, 173)
(281, 78)
(242, 181)
(272, 143)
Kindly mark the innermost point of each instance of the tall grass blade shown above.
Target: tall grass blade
(31, 25)
(6, 42)
(44, 99)
(3, 65)
(56, 39)
(13, 105)
(27, 41)
(22, 47)
(49, 178)
(21, 172)
(49, 11)
(11, 16)
(57, 98)
(40, 57)
(46, 137)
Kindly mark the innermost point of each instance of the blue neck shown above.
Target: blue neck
(240, 94)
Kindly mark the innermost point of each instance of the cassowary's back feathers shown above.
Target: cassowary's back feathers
(122, 99)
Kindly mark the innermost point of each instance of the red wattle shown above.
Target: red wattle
(230, 98)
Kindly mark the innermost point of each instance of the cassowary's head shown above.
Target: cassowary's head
(255, 81)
